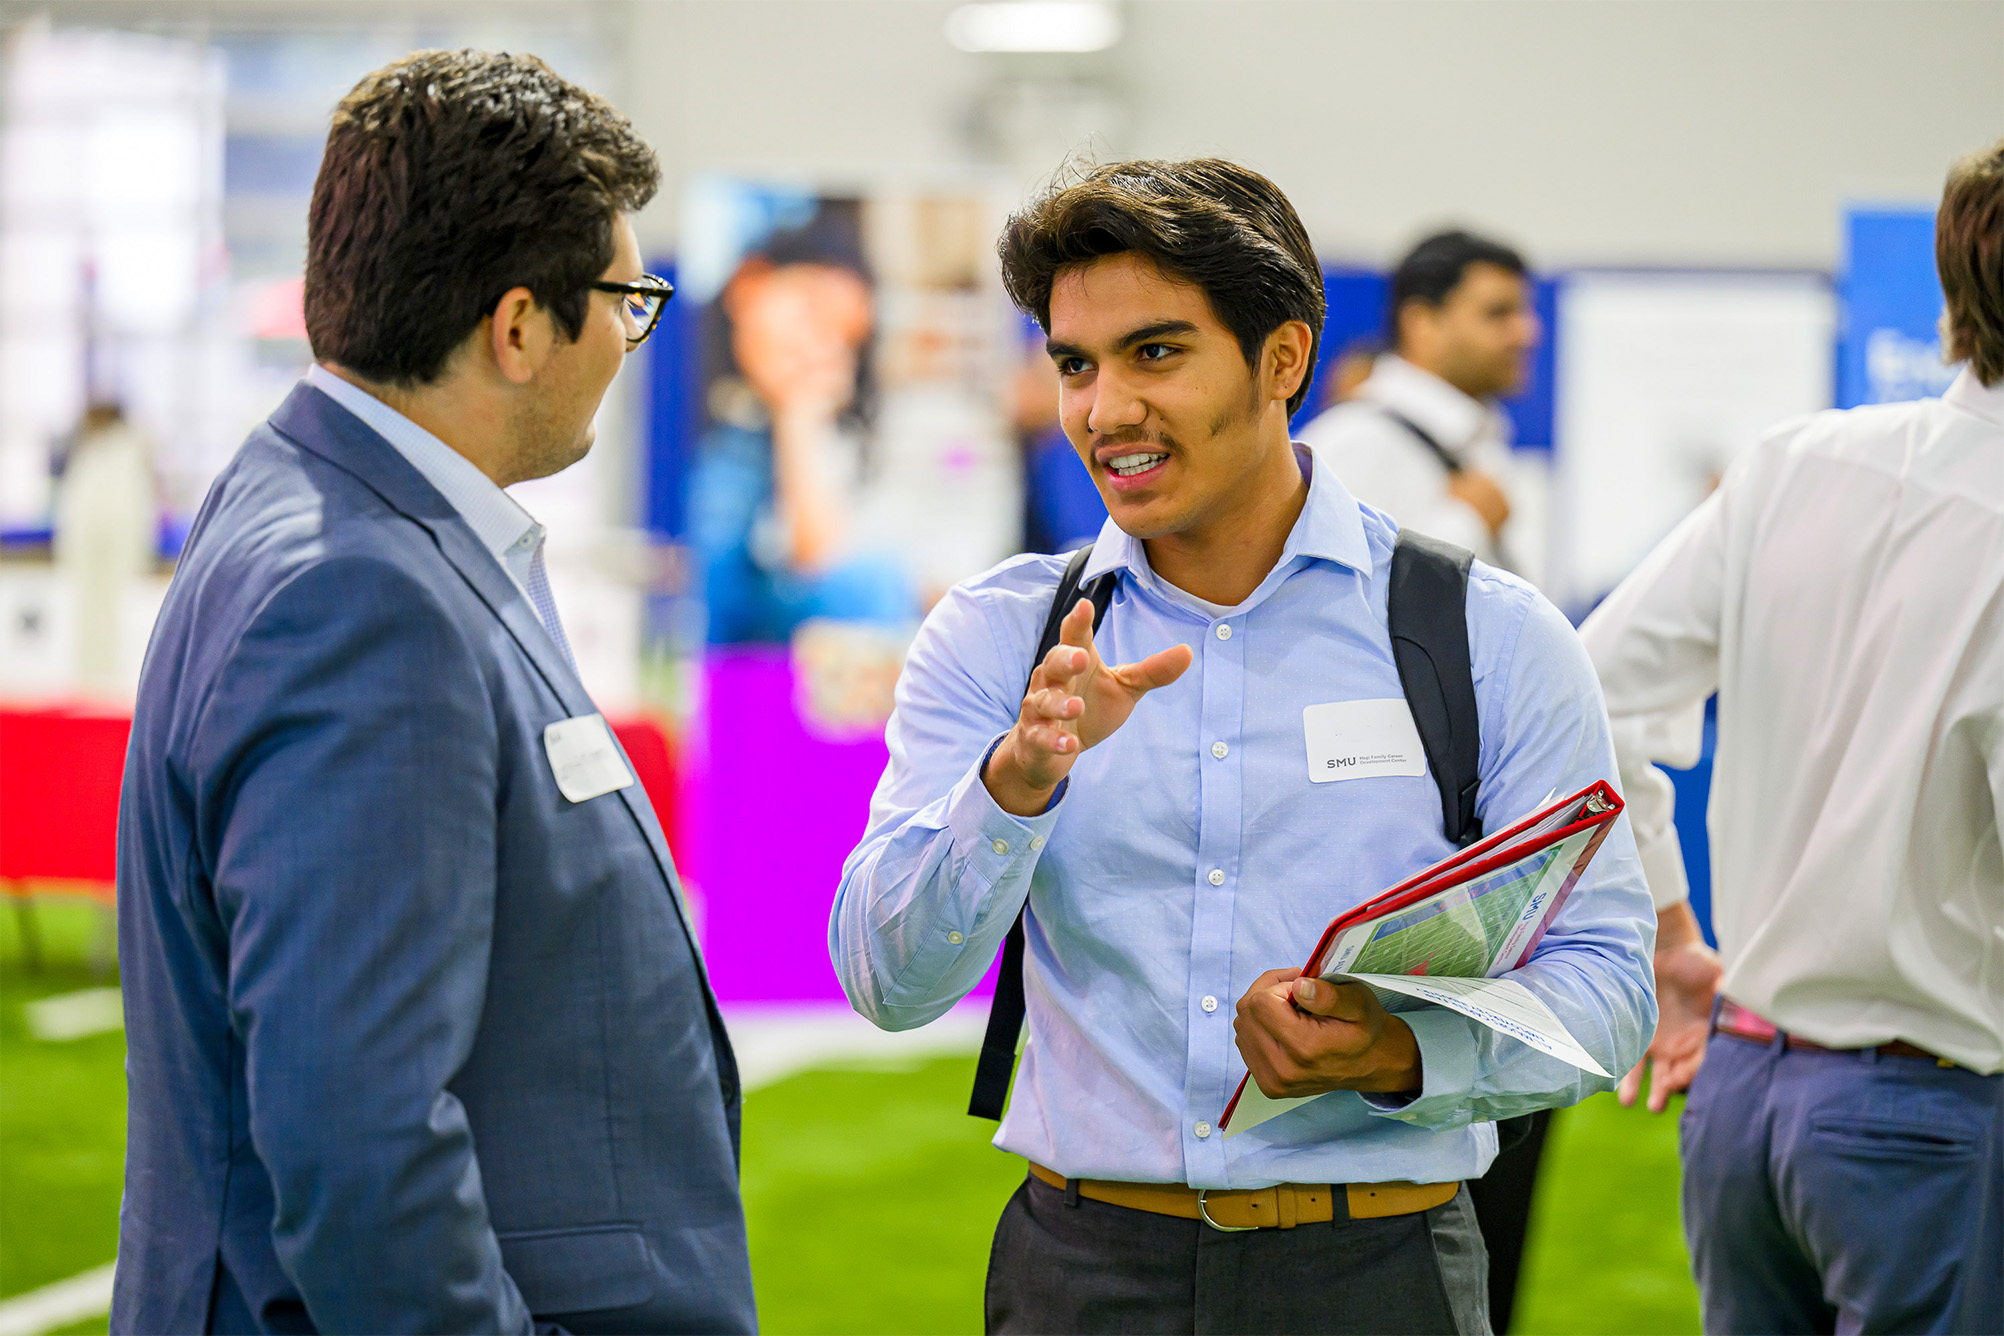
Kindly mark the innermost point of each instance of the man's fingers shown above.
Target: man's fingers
(1157, 670)
(1659, 1087)
(1076, 629)
(1332, 1001)
(1055, 703)
(1064, 663)
(1051, 738)
(1671, 1075)
(1631, 1086)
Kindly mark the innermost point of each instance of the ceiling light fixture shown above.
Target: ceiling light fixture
(1034, 25)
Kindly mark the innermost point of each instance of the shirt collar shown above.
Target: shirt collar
(1967, 392)
(1329, 528)
(1443, 412)
(495, 517)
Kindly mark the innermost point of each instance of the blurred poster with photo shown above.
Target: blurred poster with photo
(854, 457)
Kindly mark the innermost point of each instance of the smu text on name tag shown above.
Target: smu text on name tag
(1361, 739)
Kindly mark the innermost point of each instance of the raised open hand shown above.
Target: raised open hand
(1076, 700)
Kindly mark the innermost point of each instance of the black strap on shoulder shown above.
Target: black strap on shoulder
(1005, 1014)
(1425, 438)
(1428, 612)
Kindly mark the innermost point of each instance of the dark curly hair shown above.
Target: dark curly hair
(1223, 227)
(449, 178)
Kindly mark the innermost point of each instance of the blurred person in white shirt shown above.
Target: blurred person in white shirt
(1422, 437)
(106, 517)
(1843, 592)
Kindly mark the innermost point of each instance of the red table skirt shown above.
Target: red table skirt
(60, 769)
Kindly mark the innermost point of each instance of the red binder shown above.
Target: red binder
(1550, 849)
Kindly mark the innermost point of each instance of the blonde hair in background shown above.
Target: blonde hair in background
(1969, 255)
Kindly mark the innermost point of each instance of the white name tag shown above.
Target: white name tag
(1361, 739)
(584, 759)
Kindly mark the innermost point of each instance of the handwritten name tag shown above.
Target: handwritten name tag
(584, 758)
(1361, 739)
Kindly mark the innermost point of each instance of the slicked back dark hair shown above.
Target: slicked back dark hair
(449, 178)
(1212, 223)
(1435, 267)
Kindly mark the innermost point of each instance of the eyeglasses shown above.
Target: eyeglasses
(640, 304)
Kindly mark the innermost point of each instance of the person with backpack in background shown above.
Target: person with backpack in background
(1423, 437)
(1147, 807)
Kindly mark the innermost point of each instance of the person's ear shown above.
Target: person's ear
(1419, 321)
(1289, 358)
(522, 336)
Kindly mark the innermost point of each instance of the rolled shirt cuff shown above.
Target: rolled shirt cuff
(1447, 1071)
(1663, 868)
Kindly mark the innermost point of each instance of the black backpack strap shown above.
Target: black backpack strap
(1425, 438)
(1428, 612)
(1005, 1014)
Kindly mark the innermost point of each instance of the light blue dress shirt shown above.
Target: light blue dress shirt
(496, 518)
(1190, 853)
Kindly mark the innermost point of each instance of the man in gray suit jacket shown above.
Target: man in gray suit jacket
(418, 1037)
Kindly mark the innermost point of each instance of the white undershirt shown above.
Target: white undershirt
(1843, 591)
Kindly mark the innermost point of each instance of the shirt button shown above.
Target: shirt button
(1202, 1130)
(1220, 750)
(1000, 846)
(1210, 1003)
(1217, 876)
(1224, 630)
(957, 939)
(1036, 841)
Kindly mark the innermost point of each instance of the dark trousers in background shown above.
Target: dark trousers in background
(1843, 1192)
(1067, 1264)
(1503, 1206)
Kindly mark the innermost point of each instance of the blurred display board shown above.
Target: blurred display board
(1663, 379)
(853, 459)
(1890, 349)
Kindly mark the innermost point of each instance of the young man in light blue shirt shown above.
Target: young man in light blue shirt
(1151, 799)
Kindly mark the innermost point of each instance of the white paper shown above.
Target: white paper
(584, 759)
(1504, 1005)
(1361, 739)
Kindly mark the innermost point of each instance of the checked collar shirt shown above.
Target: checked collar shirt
(1191, 852)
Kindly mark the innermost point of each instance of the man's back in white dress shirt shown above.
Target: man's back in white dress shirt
(1843, 591)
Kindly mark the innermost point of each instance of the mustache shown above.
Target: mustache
(1132, 436)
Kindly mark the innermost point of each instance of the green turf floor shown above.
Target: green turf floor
(869, 1194)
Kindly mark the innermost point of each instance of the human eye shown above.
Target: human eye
(1071, 366)
(1155, 352)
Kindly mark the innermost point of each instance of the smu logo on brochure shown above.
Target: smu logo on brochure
(1361, 739)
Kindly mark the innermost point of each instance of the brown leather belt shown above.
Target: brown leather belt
(1740, 1023)
(1281, 1207)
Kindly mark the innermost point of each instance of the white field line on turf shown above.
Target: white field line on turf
(772, 1042)
(79, 1015)
(59, 1305)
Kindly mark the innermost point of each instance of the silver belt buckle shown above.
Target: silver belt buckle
(1222, 1229)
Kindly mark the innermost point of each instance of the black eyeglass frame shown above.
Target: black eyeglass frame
(649, 285)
